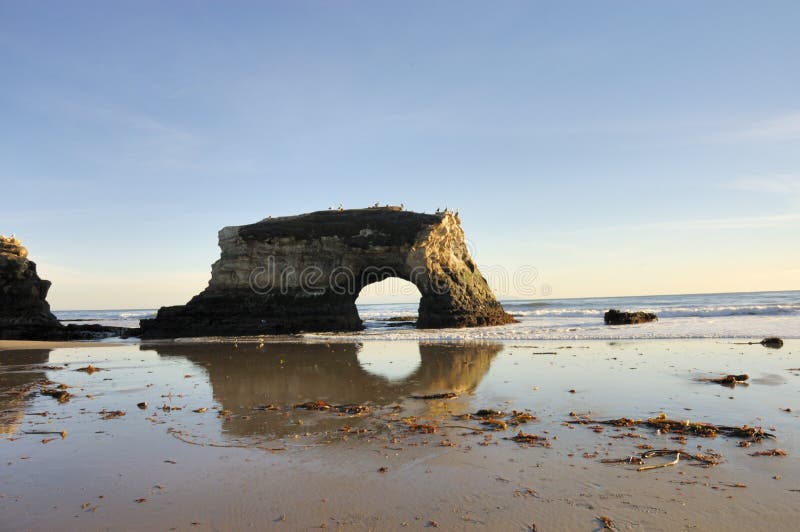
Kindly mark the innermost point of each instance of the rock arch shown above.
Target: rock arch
(304, 273)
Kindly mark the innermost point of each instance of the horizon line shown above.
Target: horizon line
(509, 299)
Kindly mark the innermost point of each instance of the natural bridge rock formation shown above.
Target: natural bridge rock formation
(24, 312)
(304, 273)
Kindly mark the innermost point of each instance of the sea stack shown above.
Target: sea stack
(616, 317)
(24, 311)
(304, 273)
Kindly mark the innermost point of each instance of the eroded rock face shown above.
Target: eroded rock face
(304, 273)
(24, 311)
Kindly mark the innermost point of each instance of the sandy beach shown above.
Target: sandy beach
(221, 443)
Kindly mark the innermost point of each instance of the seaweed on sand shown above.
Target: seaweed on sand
(662, 423)
(89, 369)
(530, 439)
(352, 409)
(728, 380)
(519, 417)
(446, 395)
(607, 522)
(60, 393)
(770, 452)
(314, 405)
(422, 428)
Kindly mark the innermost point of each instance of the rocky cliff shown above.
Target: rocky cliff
(24, 312)
(304, 273)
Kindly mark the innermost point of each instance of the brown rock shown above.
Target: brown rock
(773, 342)
(616, 317)
(304, 273)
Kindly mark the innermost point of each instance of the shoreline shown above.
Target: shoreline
(18, 345)
(7, 345)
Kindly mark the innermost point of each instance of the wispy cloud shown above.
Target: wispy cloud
(740, 222)
(786, 186)
(704, 224)
(786, 126)
(140, 138)
(779, 188)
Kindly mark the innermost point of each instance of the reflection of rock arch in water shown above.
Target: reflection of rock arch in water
(287, 373)
(15, 372)
(454, 367)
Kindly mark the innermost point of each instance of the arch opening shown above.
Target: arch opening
(390, 303)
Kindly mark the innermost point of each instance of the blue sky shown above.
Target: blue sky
(617, 147)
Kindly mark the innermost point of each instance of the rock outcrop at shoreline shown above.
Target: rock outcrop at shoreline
(772, 342)
(616, 317)
(304, 273)
(24, 310)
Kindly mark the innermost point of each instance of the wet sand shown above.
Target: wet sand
(17, 345)
(252, 460)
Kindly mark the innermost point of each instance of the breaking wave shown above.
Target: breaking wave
(743, 315)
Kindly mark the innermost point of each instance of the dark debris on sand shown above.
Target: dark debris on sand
(446, 395)
(662, 423)
(728, 380)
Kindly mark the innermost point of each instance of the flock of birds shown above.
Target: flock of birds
(377, 205)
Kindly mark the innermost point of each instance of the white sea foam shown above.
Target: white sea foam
(674, 312)
(112, 318)
(750, 327)
(751, 315)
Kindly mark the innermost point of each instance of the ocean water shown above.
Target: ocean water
(112, 318)
(735, 315)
